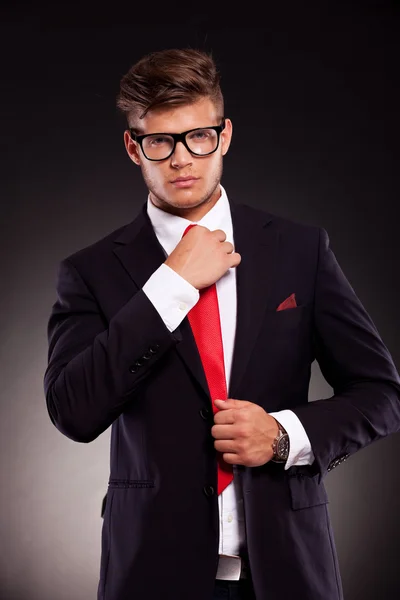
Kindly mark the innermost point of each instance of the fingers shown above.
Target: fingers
(225, 417)
(221, 432)
(225, 446)
(228, 247)
(232, 459)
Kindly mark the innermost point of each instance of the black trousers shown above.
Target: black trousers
(234, 590)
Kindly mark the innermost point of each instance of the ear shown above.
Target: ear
(132, 148)
(226, 136)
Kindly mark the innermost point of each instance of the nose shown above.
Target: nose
(181, 155)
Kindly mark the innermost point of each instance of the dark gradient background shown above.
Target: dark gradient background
(314, 100)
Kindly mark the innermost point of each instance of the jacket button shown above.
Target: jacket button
(204, 413)
(208, 490)
(153, 349)
(133, 368)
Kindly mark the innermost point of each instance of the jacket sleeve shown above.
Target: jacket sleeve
(357, 365)
(95, 368)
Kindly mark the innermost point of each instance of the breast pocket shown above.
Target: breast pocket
(286, 335)
(289, 314)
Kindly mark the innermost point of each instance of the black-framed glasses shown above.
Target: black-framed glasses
(200, 141)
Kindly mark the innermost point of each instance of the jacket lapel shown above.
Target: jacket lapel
(141, 254)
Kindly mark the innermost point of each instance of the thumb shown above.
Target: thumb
(228, 403)
(221, 403)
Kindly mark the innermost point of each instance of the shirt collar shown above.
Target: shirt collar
(169, 228)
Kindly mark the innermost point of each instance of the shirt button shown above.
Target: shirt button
(182, 306)
(230, 518)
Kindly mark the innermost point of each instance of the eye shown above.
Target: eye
(201, 134)
(158, 141)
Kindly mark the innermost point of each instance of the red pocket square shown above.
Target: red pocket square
(290, 302)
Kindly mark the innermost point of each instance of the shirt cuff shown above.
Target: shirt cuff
(300, 452)
(172, 295)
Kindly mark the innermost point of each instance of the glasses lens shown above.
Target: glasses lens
(202, 141)
(157, 147)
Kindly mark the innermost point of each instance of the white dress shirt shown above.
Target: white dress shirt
(173, 297)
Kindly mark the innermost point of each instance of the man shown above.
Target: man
(191, 331)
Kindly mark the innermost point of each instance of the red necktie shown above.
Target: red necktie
(206, 326)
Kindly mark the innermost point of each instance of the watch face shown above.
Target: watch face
(282, 448)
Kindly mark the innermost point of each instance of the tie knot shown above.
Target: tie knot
(189, 227)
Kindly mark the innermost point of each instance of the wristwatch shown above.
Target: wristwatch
(281, 445)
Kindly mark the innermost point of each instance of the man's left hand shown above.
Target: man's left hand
(243, 432)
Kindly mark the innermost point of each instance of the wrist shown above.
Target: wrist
(280, 445)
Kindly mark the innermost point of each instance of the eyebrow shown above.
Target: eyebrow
(136, 130)
(139, 131)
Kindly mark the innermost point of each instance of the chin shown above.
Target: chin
(185, 195)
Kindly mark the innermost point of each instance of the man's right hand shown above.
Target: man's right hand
(202, 256)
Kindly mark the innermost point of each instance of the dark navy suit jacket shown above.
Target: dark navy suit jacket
(112, 361)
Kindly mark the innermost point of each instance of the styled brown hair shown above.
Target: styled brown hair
(169, 78)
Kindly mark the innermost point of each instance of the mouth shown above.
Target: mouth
(183, 178)
(182, 182)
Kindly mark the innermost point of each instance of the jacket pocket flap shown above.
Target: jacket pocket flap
(305, 491)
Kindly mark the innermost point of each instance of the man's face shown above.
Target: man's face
(194, 201)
